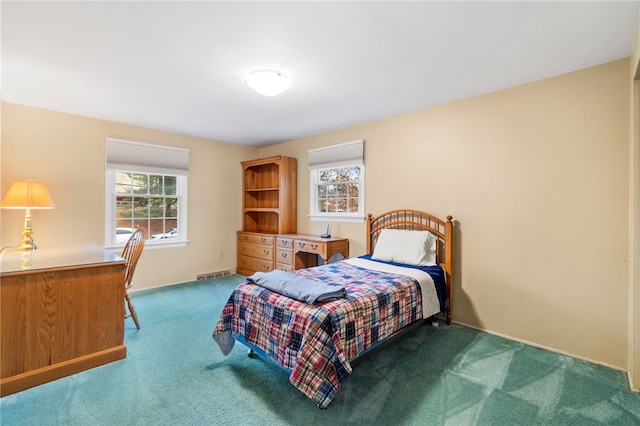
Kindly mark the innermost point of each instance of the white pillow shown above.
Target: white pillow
(404, 246)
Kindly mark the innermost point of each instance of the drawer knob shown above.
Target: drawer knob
(267, 251)
(283, 255)
(314, 246)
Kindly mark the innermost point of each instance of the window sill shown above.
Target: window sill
(337, 218)
(151, 245)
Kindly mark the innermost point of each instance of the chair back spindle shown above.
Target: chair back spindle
(131, 253)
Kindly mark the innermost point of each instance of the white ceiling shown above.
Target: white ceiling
(179, 66)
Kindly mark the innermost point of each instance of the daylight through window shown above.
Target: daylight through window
(146, 186)
(337, 182)
(146, 200)
(338, 190)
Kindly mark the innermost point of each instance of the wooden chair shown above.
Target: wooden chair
(131, 253)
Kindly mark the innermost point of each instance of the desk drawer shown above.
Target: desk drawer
(310, 247)
(256, 239)
(284, 267)
(286, 243)
(255, 250)
(251, 264)
(284, 256)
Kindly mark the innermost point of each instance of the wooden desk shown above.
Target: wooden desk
(296, 251)
(62, 312)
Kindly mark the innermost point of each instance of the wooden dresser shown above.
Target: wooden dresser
(62, 312)
(255, 252)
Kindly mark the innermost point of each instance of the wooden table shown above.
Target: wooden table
(62, 312)
(298, 251)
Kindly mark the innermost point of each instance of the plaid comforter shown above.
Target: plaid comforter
(315, 342)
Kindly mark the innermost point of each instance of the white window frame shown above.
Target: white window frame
(146, 166)
(350, 154)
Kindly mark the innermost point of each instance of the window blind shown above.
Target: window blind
(344, 154)
(142, 157)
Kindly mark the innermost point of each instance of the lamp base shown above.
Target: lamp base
(27, 242)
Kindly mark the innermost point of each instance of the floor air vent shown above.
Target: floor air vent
(210, 275)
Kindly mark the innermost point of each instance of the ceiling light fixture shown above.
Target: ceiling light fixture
(268, 82)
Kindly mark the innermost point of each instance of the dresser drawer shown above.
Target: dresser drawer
(309, 247)
(256, 239)
(284, 256)
(251, 264)
(255, 250)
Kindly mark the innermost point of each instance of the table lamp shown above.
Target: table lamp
(27, 194)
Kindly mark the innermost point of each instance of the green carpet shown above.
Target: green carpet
(174, 374)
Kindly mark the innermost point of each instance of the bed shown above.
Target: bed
(404, 279)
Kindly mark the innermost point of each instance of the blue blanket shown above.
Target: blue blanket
(436, 273)
(298, 288)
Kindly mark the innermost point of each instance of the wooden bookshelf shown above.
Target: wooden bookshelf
(268, 207)
(269, 199)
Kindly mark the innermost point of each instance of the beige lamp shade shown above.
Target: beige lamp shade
(27, 194)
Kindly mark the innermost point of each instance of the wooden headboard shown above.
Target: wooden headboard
(415, 220)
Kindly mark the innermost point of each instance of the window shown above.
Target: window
(337, 182)
(146, 200)
(147, 189)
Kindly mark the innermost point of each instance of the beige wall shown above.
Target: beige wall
(634, 213)
(67, 153)
(536, 178)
